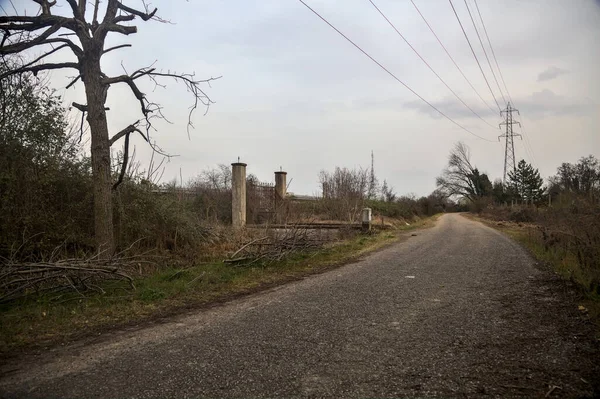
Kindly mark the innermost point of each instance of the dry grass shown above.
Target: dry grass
(166, 290)
(562, 259)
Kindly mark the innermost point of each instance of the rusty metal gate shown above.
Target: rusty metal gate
(260, 202)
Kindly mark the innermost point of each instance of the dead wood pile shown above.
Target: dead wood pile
(276, 245)
(22, 279)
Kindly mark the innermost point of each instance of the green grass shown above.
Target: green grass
(46, 321)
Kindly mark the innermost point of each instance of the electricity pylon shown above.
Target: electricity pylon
(509, 150)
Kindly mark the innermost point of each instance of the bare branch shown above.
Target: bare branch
(45, 5)
(84, 108)
(95, 17)
(42, 67)
(73, 82)
(115, 48)
(147, 108)
(124, 18)
(125, 30)
(129, 129)
(76, 10)
(193, 86)
(81, 107)
(144, 16)
(124, 164)
(111, 12)
(40, 57)
(21, 46)
(25, 23)
(82, 6)
(130, 81)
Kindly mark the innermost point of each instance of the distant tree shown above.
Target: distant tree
(526, 183)
(499, 194)
(436, 202)
(461, 178)
(387, 192)
(216, 179)
(345, 190)
(580, 178)
(252, 179)
(77, 36)
(345, 183)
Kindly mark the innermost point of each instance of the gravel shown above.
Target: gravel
(458, 310)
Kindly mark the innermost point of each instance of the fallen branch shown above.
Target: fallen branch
(22, 279)
(276, 245)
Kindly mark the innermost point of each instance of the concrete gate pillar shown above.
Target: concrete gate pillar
(280, 192)
(280, 185)
(238, 194)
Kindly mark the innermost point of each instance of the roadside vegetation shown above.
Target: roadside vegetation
(175, 248)
(557, 220)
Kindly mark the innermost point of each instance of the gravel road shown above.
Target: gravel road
(458, 310)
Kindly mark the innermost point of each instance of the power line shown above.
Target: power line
(426, 63)
(474, 55)
(390, 73)
(14, 8)
(493, 52)
(451, 58)
(484, 52)
(526, 143)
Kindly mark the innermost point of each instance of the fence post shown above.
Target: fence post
(366, 219)
(238, 194)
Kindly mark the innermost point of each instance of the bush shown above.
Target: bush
(45, 182)
(569, 231)
(163, 219)
(523, 215)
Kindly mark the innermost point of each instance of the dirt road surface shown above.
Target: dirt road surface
(458, 310)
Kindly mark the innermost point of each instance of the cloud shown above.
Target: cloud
(451, 107)
(551, 73)
(538, 104)
(546, 103)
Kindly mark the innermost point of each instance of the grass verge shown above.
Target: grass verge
(43, 322)
(562, 262)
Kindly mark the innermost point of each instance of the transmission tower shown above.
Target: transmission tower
(509, 150)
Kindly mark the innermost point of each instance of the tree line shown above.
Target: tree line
(463, 181)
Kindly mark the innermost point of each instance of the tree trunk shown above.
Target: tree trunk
(100, 150)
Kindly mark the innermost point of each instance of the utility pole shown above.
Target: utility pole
(509, 150)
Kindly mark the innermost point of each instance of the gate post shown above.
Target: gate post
(280, 192)
(280, 185)
(238, 194)
(366, 219)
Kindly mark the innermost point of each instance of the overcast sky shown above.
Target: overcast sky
(294, 94)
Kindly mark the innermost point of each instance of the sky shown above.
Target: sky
(294, 94)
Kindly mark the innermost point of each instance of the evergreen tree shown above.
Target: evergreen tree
(525, 182)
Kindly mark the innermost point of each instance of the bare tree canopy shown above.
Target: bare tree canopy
(581, 178)
(461, 178)
(80, 39)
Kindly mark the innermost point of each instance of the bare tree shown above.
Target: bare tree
(461, 178)
(82, 35)
(345, 190)
(582, 178)
(387, 192)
